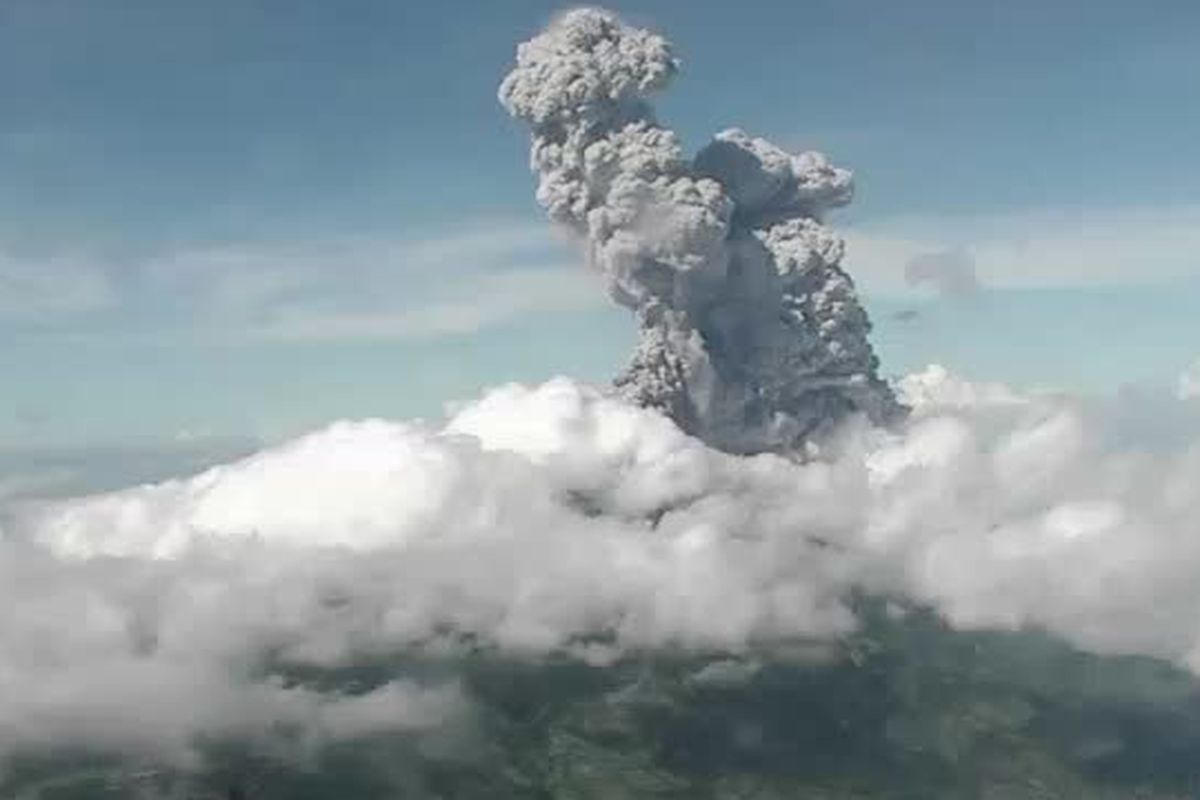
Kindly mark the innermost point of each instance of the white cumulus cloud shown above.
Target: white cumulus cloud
(556, 519)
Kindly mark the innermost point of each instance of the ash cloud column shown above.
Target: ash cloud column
(752, 336)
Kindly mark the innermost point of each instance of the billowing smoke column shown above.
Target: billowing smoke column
(752, 336)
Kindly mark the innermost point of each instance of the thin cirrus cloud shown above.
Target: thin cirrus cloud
(36, 473)
(336, 289)
(1188, 385)
(1038, 249)
(950, 272)
(488, 273)
(52, 290)
(370, 289)
(492, 300)
(470, 280)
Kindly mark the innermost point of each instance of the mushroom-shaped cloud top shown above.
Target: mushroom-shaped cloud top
(587, 62)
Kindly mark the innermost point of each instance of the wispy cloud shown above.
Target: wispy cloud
(467, 280)
(338, 288)
(1034, 249)
(35, 473)
(950, 272)
(1188, 387)
(368, 289)
(52, 289)
(491, 300)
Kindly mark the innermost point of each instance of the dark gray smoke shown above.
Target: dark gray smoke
(752, 336)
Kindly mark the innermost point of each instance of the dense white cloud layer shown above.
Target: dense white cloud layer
(555, 518)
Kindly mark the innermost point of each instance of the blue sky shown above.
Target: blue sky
(231, 220)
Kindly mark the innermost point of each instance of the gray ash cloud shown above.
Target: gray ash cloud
(752, 334)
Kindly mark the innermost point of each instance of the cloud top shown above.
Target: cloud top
(588, 64)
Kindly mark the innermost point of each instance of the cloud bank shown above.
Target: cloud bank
(558, 521)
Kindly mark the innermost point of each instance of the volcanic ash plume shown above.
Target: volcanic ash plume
(752, 336)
